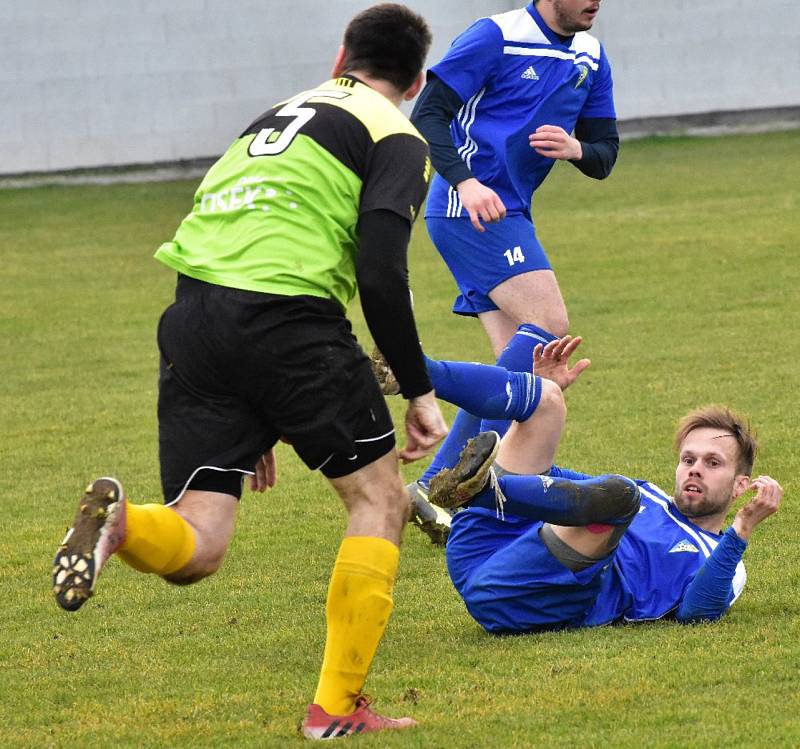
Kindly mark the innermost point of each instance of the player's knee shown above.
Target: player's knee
(399, 503)
(195, 571)
(559, 324)
(554, 319)
(387, 500)
(206, 561)
(626, 499)
(552, 398)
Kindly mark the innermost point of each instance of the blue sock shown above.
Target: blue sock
(608, 499)
(485, 390)
(465, 426)
(517, 356)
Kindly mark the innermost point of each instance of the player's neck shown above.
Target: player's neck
(379, 85)
(711, 523)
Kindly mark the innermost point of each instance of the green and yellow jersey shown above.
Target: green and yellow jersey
(278, 211)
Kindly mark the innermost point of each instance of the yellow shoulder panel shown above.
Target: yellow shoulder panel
(373, 109)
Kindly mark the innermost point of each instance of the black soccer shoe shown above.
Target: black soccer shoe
(433, 521)
(454, 487)
(97, 532)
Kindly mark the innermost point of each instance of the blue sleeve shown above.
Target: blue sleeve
(472, 58)
(711, 591)
(600, 102)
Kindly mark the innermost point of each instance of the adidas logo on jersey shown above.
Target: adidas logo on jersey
(530, 74)
(547, 482)
(684, 546)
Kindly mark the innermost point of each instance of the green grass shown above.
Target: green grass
(682, 274)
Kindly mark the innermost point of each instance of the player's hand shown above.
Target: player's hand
(552, 361)
(765, 503)
(425, 427)
(266, 472)
(555, 143)
(482, 203)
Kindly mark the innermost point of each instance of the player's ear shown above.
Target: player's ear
(338, 63)
(415, 87)
(741, 483)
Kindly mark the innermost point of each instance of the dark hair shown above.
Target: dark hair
(722, 418)
(389, 42)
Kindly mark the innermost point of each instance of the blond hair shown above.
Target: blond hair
(721, 417)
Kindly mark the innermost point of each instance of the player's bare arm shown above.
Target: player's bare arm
(556, 143)
(766, 502)
(552, 361)
(482, 203)
(425, 427)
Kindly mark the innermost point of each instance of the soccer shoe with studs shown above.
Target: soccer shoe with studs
(433, 521)
(454, 487)
(383, 373)
(97, 532)
(320, 725)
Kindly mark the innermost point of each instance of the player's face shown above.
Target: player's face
(572, 16)
(706, 479)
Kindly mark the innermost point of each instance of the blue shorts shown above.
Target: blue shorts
(479, 262)
(509, 580)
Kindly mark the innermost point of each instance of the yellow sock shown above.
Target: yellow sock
(359, 604)
(157, 539)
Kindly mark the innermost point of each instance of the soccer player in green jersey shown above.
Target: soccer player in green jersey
(313, 201)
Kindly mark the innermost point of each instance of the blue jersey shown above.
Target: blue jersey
(657, 558)
(510, 582)
(513, 74)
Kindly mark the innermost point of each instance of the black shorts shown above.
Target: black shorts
(241, 369)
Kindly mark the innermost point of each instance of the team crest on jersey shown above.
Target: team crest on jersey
(584, 71)
(684, 546)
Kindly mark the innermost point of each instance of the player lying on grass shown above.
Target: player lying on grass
(542, 547)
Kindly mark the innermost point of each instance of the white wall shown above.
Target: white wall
(103, 82)
(672, 57)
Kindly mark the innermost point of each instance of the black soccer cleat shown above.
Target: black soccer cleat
(97, 532)
(433, 521)
(454, 487)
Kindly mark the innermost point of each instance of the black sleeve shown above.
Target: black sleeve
(600, 143)
(435, 109)
(382, 276)
(396, 176)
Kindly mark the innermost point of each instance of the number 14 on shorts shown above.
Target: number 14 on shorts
(514, 255)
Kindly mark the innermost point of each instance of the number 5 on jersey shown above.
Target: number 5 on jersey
(515, 255)
(271, 142)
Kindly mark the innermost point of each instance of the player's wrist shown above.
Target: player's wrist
(577, 150)
(742, 528)
(467, 183)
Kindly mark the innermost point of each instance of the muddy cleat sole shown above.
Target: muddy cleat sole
(97, 532)
(322, 726)
(433, 521)
(383, 373)
(454, 487)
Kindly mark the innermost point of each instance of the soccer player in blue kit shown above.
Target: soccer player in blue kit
(497, 111)
(543, 547)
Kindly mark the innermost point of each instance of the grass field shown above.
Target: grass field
(682, 274)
